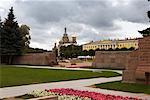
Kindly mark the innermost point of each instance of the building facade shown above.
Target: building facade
(113, 44)
(65, 41)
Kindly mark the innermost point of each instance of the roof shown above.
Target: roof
(110, 41)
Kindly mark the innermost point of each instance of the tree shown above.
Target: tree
(91, 52)
(1, 28)
(146, 32)
(131, 48)
(70, 51)
(0, 25)
(148, 14)
(1, 33)
(110, 49)
(97, 49)
(11, 40)
(117, 49)
(24, 31)
(84, 53)
(123, 49)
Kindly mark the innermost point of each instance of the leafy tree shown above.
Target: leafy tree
(124, 49)
(110, 49)
(146, 32)
(24, 31)
(148, 13)
(117, 49)
(71, 51)
(91, 52)
(1, 28)
(10, 38)
(131, 48)
(97, 49)
(35, 50)
(102, 50)
(85, 53)
(1, 34)
(0, 23)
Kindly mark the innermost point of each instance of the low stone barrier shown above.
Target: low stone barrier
(111, 59)
(47, 58)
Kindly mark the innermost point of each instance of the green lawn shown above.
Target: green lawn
(12, 76)
(127, 87)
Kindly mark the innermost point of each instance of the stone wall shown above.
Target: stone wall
(48, 58)
(132, 63)
(138, 63)
(111, 59)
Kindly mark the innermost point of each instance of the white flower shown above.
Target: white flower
(39, 93)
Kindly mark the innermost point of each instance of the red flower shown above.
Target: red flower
(92, 95)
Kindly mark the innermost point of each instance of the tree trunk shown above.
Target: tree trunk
(10, 59)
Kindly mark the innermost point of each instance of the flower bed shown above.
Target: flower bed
(87, 94)
(71, 94)
(39, 93)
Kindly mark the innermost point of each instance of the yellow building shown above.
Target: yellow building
(127, 44)
(113, 44)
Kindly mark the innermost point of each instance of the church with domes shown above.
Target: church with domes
(65, 41)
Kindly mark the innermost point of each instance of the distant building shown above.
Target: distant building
(113, 44)
(65, 41)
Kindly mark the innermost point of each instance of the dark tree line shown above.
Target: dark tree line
(13, 39)
(73, 51)
(35, 50)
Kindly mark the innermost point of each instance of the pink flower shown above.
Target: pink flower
(92, 95)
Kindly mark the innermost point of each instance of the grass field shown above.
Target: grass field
(127, 87)
(12, 76)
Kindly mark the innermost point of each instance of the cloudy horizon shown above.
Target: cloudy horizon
(88, 20)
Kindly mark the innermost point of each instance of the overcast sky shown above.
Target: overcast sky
(87, 19)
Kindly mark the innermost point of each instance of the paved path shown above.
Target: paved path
(48, 67)
(19, 90)
(75, 84)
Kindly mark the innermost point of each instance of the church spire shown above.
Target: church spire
(65, 30)
(65, 36)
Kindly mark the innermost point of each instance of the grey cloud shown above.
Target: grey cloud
(52, 16)
(135, 12)
(40, 36)
(48, 11)
(97, 13)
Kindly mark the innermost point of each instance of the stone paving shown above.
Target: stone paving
(48, 67)
(75, 84)
(20, 90)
